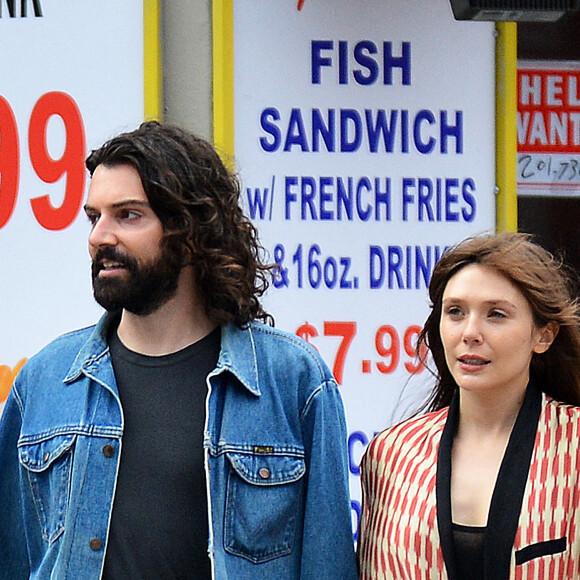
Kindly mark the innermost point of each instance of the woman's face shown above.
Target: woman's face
(488, 332)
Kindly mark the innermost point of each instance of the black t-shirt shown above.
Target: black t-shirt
(159, 525)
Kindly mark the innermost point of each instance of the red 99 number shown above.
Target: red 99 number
(70, 165)
(388, 346)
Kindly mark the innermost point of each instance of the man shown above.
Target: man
(181, 437)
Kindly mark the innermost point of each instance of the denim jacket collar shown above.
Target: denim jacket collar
(237, 353)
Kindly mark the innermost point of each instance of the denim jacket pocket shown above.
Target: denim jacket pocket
(263, 495)
(47, 466)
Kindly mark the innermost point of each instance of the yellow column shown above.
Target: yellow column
(506, 128)
(223, 78)
(153, 79)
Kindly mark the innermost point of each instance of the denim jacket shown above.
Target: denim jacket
(275, 447)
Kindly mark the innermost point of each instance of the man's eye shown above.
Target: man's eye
(130, 214)
(92, 218)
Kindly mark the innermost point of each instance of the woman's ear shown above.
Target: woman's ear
(546, 337)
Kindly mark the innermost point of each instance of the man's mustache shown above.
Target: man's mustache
(112, 255)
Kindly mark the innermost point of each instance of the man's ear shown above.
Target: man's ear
(546, 337)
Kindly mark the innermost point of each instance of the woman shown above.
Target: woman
(486, 485)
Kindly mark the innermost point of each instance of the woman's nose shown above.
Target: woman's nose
(472, 330)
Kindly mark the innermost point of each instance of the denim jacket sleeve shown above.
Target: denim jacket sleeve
(13, 549)
(328, 550)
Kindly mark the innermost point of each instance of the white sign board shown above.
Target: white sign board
(72, 77)
(364, 135)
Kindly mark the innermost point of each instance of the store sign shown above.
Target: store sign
(548, 128)
(364, 136)
(71, 77)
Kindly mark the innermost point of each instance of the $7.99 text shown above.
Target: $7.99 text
(388, 345)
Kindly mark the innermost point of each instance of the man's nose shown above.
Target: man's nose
(102, 233)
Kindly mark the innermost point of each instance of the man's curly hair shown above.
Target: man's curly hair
(197, 200)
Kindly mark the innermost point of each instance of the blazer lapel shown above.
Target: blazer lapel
(443, 487)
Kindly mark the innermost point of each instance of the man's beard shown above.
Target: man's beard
(145, 288)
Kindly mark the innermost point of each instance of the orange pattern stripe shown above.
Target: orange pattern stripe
(399, 538)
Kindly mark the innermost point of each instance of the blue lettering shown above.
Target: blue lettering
(381, 127)
(318, 61)
(355, 507)
(450, 200)
(424, 199)
(382, 198)
(408, 261)
(403, 62)
(408, 198)
(258, 201)
(404, 131)
(452, 131)
(408, 267)
(467, 190)
(336, 198)
(438, 194)
(308, 193)
(361, 56)
(376, 266)
(423, 268)
(437, 199)
(325, 197)
(346, 145)
(289, 195)
(342, 62)
(423, 147)
(356, 438)
(271, 129)
(365, 54)
(296, 134)
(320, 129)
(345, 130)
(344, 197)
(363, 213)
(395, 261)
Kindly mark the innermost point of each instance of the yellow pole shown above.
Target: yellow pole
(505, 123)
(223, 78)
(153, 79)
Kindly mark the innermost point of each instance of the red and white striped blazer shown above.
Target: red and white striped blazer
(534, 519)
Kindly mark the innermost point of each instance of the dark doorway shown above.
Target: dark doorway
(554, 220)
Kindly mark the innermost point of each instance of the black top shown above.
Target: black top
(159, 526)
(468, 550)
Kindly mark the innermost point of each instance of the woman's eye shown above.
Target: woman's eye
(454, 311)
(497, 314)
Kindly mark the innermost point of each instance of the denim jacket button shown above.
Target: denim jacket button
(46, 457)
(264, 473)
(108, 450)
(96, 544)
